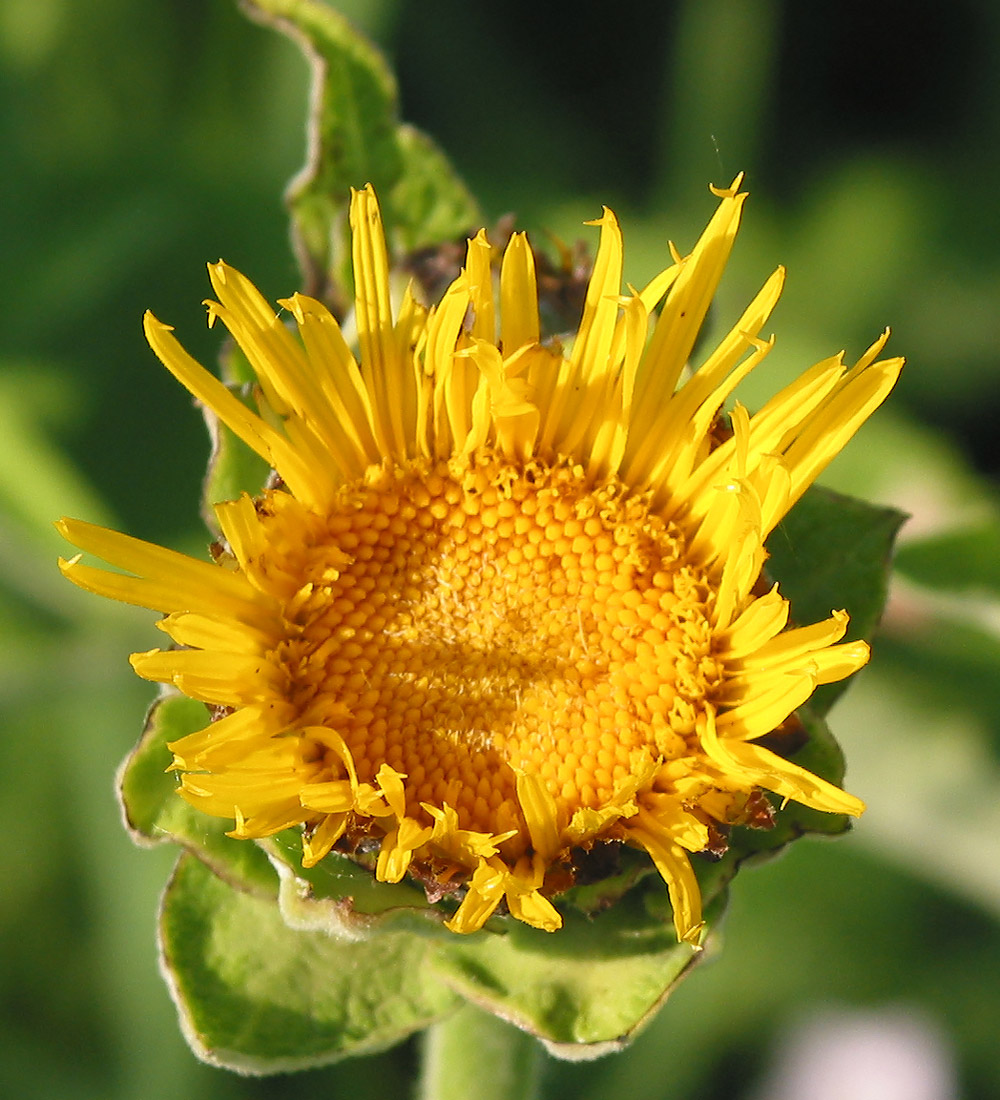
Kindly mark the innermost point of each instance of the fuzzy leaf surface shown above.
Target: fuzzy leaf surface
(259, 997)
(584, 990)
(356, 138)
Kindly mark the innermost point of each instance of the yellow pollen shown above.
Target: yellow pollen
(497, 620)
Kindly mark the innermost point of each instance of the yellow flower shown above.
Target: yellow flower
(499, 604)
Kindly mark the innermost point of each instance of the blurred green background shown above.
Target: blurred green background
(141, 138)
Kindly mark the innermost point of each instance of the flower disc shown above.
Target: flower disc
(493, 622)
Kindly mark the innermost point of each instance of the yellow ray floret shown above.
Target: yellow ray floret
(504, 603)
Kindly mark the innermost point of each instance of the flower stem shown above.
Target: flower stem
(474, 1053)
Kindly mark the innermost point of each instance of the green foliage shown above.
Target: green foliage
(584, 990)
(356, 138)
(342, 894)
(258, 997)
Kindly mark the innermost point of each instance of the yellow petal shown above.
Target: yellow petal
(317, 844)
(540, 813)
(380, 355)
(518, 296)
(760, 767)
(674, 867)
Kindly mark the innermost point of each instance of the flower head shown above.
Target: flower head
(500, 604)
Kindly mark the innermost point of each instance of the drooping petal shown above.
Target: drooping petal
(758, 766)
(674, 867)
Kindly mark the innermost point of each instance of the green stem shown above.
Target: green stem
(472, 1053)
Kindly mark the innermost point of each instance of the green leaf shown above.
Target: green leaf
(337, 877)
(344, 898)
(355, 138)
(429, 204)
(154, 813)
(833, 552)
(258, 997)
(584, 990)
(967, 560)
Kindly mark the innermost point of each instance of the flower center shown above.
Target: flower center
(493, 620)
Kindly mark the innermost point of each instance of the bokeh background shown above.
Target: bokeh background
(140, 138)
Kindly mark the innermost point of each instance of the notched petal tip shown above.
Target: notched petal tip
(729, 192)
(66, 564)
(608, 217)
(152, 326)
(364, 205)
(218, 271)
(694, 937)
(851, 658)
